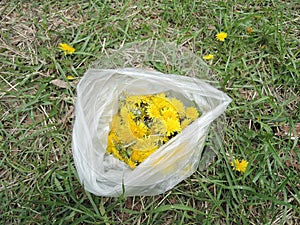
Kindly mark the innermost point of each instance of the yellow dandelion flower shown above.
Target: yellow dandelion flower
(112, 138)
(116, 122)
(147, 144)
(146, 99)
(136, 156)
(263, 46)
(69, 77)
(125, 114)
(249, 30)
(116, 153)
(161, 95)
(185, 123)
(138, 129)
(140, 156)
(132, 99)
(161, 102)
(66, 48)
(178, 105)
(169, 113)
(136, 99)
(239, 166)
(221, 36)
(172, 126)
(191, 113)
(131, 164)
(153, 111)
(208, 57)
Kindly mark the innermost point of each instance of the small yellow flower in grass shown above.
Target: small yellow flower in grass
(66, 48)
(221, 36)
(249, 30)
(69, 77)
(263, 46)
(239, 166)
(208, 57)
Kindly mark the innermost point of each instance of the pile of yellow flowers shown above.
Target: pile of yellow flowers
(143, 123)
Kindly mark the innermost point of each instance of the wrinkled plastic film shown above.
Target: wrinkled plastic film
(155, 55)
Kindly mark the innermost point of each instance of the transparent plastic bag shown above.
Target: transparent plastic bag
(97, 102)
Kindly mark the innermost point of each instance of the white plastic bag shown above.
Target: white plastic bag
(97, 101)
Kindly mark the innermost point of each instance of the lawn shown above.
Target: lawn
(257, 65)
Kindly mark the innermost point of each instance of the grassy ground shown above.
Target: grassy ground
(258, 70)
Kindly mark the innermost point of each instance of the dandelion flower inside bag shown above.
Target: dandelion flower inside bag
(100, 95)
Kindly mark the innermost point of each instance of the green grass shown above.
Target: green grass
(259, 71)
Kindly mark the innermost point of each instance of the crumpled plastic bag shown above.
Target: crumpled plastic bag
(97, 102)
